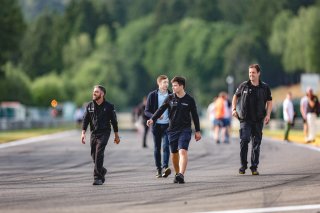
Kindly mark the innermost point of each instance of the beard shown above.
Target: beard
(96, 97)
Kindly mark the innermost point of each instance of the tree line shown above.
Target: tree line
(59, 49)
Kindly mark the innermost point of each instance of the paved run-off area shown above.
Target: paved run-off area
(55, 175)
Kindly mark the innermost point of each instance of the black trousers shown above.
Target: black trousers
(98, 144)
(145, 133)
(250, 131)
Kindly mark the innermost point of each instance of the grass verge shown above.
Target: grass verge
(294, 136)
(11, 135)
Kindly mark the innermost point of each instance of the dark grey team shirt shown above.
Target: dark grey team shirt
(181, 110)
(253, 99)
(100, 117)
(253, 102)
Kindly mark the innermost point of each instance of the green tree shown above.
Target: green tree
(169, 12)
(303, 42)
(77, 49)
(278, 38)
(118, 10)
(34, 8)
(15, 86)
(256, 14)
(85, 16)
(203, 9)
(261, 13)
(192, 48)
(100, 67)
(295, 5)
(232, 11)
(131, 51)
(12, 27)
(242, 51)
(46, 88)
(39, 54)
(139, 8)
(159, 51)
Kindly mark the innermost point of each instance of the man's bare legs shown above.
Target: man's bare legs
(183, 160)
(175, 161)
(180, 161)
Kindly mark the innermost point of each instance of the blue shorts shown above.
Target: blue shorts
(223, 122)
(179, 140)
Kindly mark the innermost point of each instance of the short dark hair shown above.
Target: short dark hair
(101, 88)
(257, 66)
(180, 80)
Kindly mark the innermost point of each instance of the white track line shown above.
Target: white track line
(37, 139)
(272, 209)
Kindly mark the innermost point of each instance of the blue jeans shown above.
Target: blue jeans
(159, 132)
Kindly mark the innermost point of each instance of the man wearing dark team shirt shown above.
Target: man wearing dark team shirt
(99, 114)
(181, 105)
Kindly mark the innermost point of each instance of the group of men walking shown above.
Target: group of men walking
(169, 116)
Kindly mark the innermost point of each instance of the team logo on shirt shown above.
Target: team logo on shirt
(91, 109)
(173, 103)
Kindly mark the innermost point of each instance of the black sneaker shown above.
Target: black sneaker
(97, 182)
(179, 178)
(242, 170)
(104, 172)
(175, 178)
(159, 173)
(166, 173)
(254, 171)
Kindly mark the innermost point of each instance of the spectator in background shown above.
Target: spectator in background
(228, 118)
(312, 110)
(140, 113)
(78, 116)
(303, 111)
(222, 117)
(210, 112)
(288, 115)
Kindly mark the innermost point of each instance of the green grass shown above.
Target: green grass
(279, 134)
(11, 135)
(294, 135)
